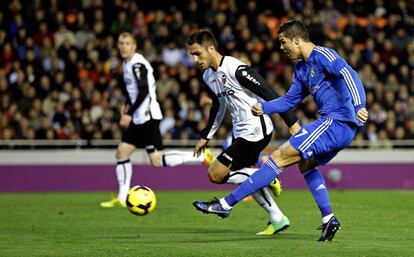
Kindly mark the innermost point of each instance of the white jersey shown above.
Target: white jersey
(140, 87)
(237, 99)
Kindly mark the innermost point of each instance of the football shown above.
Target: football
(141, 200)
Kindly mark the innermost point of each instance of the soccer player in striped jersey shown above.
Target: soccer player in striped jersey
(234, 86)
(340, 97)
(140, 118)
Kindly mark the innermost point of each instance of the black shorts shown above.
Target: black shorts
(242, 153)
(145, 135)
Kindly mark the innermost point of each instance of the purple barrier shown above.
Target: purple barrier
(44, 178)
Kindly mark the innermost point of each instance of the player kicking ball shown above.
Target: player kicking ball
(340, 97)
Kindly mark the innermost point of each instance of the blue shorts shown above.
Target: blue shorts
(323, 139)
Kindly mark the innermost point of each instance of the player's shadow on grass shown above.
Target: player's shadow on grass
(204, 230)
(250, 237)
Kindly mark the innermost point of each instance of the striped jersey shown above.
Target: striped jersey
(140, 88)
(229, 94)
(334, 85)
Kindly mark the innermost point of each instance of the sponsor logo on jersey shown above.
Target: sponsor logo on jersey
(251, 78)
(137, 72)
(226, 93)
(223, 78)
(227, 156)
(309, 153)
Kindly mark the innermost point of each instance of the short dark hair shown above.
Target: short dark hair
(201, 37)
(294, 28)
(128, 34)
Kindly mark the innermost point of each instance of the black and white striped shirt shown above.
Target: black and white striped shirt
(140, 88)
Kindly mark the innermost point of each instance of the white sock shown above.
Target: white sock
(239, 176)
(262, 197)
(225, 205)
(326, 218)
(173, 158)
(265, 200)
(123, 174)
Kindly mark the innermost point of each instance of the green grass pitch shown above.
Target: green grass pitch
(374, 223)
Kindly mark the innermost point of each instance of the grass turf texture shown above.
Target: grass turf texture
(374, 223)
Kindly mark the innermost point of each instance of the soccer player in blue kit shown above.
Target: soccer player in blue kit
(340, 97)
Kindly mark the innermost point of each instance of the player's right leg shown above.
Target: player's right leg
(321, 142)
(123, 173)
(276, 185)
(317, 186)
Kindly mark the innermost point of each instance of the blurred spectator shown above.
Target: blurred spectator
(60, 71)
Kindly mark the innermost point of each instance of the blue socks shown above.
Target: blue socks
(316, 184)
(261, 178)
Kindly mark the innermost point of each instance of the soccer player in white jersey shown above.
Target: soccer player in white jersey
(140, 118)
(234, 86)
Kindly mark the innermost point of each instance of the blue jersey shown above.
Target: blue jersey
(334, 85)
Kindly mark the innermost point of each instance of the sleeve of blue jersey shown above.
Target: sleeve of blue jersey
(282, 104)
(338, 67)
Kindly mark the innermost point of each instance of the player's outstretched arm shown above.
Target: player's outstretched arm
(285, 103)
(257, 110)
(250, 79)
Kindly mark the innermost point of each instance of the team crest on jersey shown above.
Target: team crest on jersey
(223, 78)
(312, 72)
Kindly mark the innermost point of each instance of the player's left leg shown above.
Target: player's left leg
(319, 148)
(317, 185)
(277, 220)
(123, 172)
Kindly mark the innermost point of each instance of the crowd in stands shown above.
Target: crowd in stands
(60, 73)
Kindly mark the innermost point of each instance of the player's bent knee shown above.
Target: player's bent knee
(306, 165)
(285, 157)
(155, 163)
(214, 176)
(120, 155)
(155, 160)
(277, 156)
